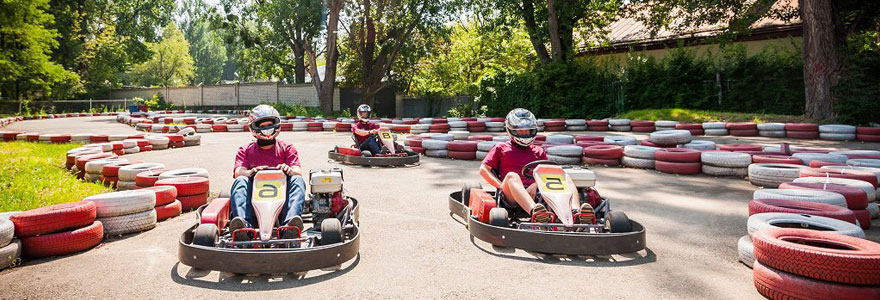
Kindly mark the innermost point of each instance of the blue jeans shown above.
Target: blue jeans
(370, 144)
(241, 204)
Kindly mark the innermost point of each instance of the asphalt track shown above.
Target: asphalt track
(412, 248)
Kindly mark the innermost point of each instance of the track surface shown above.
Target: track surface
(411, 246)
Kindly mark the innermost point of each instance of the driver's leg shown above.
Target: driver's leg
(240, 206)
(512, 187)
(296, 199)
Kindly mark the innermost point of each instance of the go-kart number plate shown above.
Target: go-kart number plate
(269, 190)
(385, 135)
(554, 183)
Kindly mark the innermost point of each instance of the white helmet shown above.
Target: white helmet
(260, 114)
(522, 126)
(364, 112)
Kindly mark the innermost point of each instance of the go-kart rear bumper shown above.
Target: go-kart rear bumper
(268, 261)
(374, 161)
(551, 242)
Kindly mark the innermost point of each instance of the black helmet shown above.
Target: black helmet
(363, 112)
(522, 126)
(260, 114)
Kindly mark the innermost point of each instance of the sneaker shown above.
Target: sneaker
(238, 223)
(297, 222)
(586, 216)
(539, 214)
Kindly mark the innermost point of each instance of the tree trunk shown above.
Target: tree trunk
(528, 14)
(553, 27)
(326, 87)
(299, 65)
(822, 59)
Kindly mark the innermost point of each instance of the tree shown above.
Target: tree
(325, 87)
(206, 44)
(379, 32)
(25, 43)
(828, 26)
(171, 64)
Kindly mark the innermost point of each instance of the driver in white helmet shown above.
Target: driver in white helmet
(365, 132)
(507, 160)
(266, 152)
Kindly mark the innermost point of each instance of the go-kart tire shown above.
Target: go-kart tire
(681, 168)
(801, 195)
(331, 231)
(132, 223)
(122, 203)
(641, 163)
(10, 255)
(757, 206)
(165, 212)
(466, 191)
(856, 198)
(778, 285)
(746, 250)
(7, 230)
(601, 162)
(205, 235)
(186, 186)
(825, 256)
(618, 222)
(55, 218)
(366, 154)
(63, 243)
(638, 151)
(726, 159)
(764, 221)
(462, 155)
(185, 172)
(498, 217)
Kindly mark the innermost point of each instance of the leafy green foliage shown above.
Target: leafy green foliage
(859, 89)
(170, 65)
(157, 102)
(207, 47)
(699, 116)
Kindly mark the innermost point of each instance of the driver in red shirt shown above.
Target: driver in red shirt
(508, 159)
(365, 132)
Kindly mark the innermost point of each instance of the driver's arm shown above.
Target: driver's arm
(360, 132)
(242, 171)
(489, 176)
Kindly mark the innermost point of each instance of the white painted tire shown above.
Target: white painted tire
(485, 146)
(837, 129)
(621, 140)
(10, 256)
(856, 152)
(132, 223)
(764, 221)
(715, 125)
(185, 172)
(746, 250)
(772, 175)
(7, 230)
(494, 125)
(724, 171)
(437, 153)
(773, 134)
(837, 136)
(620, 128)
(434, 144)
(123, 203)
(157, 140)
(815, 196)
(715, 132)
(873, 209)
(771, 127)
(869, 163)
(700, 145)
(565, 160)
(501, 138)
(875, 171)
(131, 150)
(567, 151)
(671, 137)
(91, 177)
(726, 159)
(575, 122)
(638, 151)
(640, 163)
(97, 166)
(664, 123)
(482, 155)
(128, 173)
(459, 135)
(443, 137)
(560, 139)
(863, 185)
(808, 157)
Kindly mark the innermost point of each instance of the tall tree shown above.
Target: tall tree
(171, 64)
(206, 44)
(25, 42)
(326, 86)
(827, 26)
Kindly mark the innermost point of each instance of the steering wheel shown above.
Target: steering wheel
(529, 167)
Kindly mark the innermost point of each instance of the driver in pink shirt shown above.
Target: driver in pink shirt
(506, 160)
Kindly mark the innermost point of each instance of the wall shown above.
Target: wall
(232, 95)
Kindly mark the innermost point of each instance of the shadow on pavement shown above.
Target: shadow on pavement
(617, 260)
(238, 282)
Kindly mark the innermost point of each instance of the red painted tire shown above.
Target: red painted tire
(186, 186)
(802, 127)
(54, 218)
(314, 129)
(192, 202)
(598, 128)
(696, 132)
(477, 129)
(480, 138)
(554, 123)
(417, 149)
(83, 159)
(840, 173)
(585, 144)
(462, 146)
(678, 155)
(442, 126)
(219, 128)
(651, 144)
(776, 159)
(108, 181)
(819, 255)
(689, 126)
(757, 206)
(601, 161)
(864, 218)
(589, 138)
(63, 243)
(644, 129)
(819, 163)
(164, 194)
(868, 138)
(641, 123)
(174, 138)
(63, 138)
(802, 134)
(112, 170)
(743, 132)
(868, 130)
(856, 198)
(597, 123)
(415, 143)
(167, 211)
(742, 126)
(147, 178)
(778, 285)
(604, 152)
(462, 155)
(554, 128)
(99, 138)
(684, 168)
(740, 147)
(475, 124)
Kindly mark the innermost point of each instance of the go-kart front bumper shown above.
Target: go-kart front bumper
(551, 242)
(374, 161)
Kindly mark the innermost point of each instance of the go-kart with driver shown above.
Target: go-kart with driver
(373, 146)
(387, 143)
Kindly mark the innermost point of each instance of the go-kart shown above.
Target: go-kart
(272, 248)
(489, 216)
(391, 154)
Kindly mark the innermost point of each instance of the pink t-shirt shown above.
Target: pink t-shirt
(505, 158)
(363, 126)
(251, 155)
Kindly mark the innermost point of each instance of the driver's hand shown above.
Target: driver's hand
(374, 131)
(285, 168)
(252, 172)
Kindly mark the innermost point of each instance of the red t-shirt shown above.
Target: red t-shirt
(251, 155)
(505, 158)
(363, 126)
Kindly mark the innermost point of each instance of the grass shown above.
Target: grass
(698, 116)
(32, 175)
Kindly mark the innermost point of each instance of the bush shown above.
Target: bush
(859, 91)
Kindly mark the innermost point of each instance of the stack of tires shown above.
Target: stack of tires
(597, 125)
(837, 132)
(603, 155)
(438, 128)
(681, 161)
(808, 158)
(110, 172)
(483, 148)
(167, 205)
(868, 134)
(125, 212)
(695, 129)
(10, 247)
(128, 174)
(665, 125)
(621, 140)
(457, 125)
(464, 150)
(554, 125)
(435, 148)
(415, 144)
(58, 229)
(314, 126)
(619, 125)
(341, 127)
(642, 126)
(476, 126)
(192, 192)
(671, 138)
(724, 163)
(300, 126)
(95, 168)
(715, 128)
(495, 126)
(565, 155)
(742, 129)
(774, 130)
(801, 130)
(770, 175)
(637, 156)
(575, 125)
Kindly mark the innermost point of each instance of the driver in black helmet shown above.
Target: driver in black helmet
(508, 159)
(365, 132)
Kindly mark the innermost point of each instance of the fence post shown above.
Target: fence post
(237, 98)
(277, 93)
(718, 84)
(90, 104)
(202, 96)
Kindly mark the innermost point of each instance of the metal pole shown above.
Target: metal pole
(277, 93)
(718, 83)
(90, 104)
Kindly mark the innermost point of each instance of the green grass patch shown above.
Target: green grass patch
(32, 175)
(698, 116)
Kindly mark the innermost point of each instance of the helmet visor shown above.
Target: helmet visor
(364, 114)
(525, 133)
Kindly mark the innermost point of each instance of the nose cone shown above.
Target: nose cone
(565, 217)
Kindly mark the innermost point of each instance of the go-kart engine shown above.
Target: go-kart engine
(327, 198)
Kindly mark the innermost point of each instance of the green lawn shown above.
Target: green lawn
(33, 175)
(698, 116)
